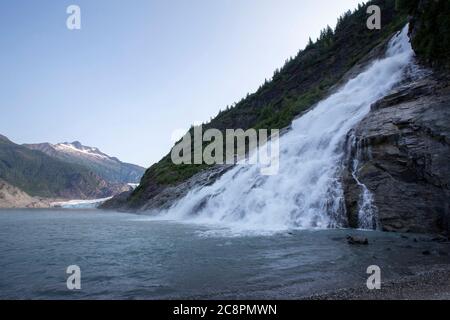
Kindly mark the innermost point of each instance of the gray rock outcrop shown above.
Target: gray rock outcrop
(403, 150)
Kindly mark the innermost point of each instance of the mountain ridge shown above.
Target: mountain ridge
(107, 167)
(40, 175)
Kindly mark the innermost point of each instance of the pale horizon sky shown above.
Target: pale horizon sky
(139, 70)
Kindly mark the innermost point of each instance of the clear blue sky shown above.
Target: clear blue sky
(140, 69)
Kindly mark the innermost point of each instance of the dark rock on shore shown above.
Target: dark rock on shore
(440, 238)
(357, 240)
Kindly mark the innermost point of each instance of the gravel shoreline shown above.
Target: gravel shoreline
(432, 284)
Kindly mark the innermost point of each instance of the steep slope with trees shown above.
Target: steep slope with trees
(296, 87)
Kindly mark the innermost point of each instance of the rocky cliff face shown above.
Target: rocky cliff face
(403, 153)
(402, 147)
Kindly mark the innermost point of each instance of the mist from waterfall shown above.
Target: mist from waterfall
(306, 193)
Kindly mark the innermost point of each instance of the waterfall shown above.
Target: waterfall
(306, 193)
(367, 211)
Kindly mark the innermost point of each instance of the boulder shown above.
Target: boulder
(357, 240)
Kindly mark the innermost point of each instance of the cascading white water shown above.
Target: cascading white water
(306, 193)
(367, 212)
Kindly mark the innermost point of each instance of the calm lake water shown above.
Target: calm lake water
(124, 256)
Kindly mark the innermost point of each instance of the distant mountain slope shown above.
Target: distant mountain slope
(38, 174)
(109, 168)
(3, 138)
(12, 197)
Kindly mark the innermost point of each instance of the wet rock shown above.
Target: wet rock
(357, 240)
(440, 238)
(403, 151)
(403, 95)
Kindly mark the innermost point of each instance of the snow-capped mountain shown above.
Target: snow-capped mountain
(78, 149)
(30, 178)
(107, 167)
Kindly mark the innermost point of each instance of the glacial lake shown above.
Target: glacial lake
(125, 256)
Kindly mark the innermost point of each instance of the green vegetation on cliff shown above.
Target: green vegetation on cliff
(298, 85)
(430, 27)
